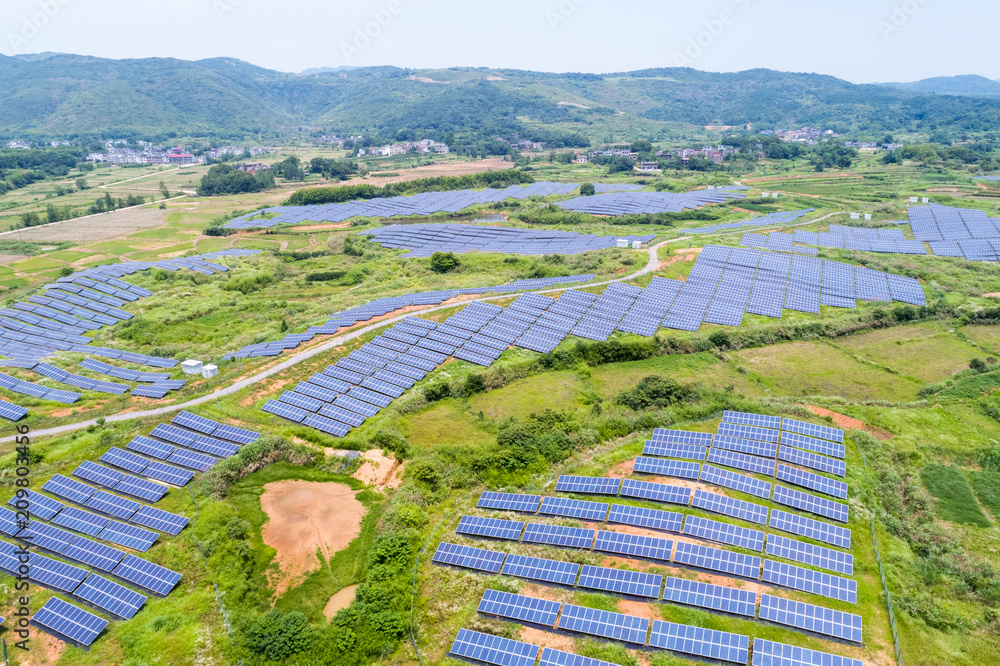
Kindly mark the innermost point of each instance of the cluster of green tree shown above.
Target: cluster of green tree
(832, 155)
(52, 214)
(289, 168)
(333, 169)
(107, 203)
(251, 282)
(553, 214)
(494, 179)
(444, 262)
(227, 179)
(655, 391)
(980, 153)
(16, 180)
(50, 161)
(325, 276)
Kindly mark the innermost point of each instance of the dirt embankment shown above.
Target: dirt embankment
(848, 423)
(304, 516)
(379, 470)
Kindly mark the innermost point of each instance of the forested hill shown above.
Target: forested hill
(57, 95)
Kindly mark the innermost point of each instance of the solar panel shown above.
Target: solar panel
(68, 488)
(807, 553)
(468, 557)
(285, 411)
(54, 574)
(812, 481)
(509, 502)
(234, 434)
(192, 460)
(729, 506)
(559, 506)
(64, 620)
(93, 554)
(616, 626)
(714, 597)
(657, 492)
(620, 581)
(749, 432)
(659, 467)
(99, 474)
(750, 446)
(652, 519)
(110, 596)
(536, 568)
(812, 430)
(588, 485)
(713, 530)
(813, 461)
(490, 649)
(79, 520)
(806, 502)
(159, 519)
(769, 653)
(141, 488)
(168, 473)
(195, 422)
(742, 461)
(740, 482)
(807, 580)
(699, 641)
(759, 420)
(129, 536)
(112, 505)
(812, 444)
(633, 545)
(808, 617)
(494, 528)
(814, 529)
(672, 450)
(36, 504)
(46, 536)
(524, 609)
(552, 535)
(716, 559)
(553, 657)
(147, 575)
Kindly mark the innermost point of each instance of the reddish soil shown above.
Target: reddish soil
(379, 470)
(339, 601)
(848, 423)
(304, 516)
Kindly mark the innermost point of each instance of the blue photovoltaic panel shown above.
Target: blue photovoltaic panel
(750, 446)
(634, 545)
(195, 422)
(812, 444)
(68, 488)
(673, 450)
(192, 459)
(509, 502)
(553, 657)
(10, 522)
(657, 492)
(158, 519)
(141, 488)
(806, 502)
(536, 568)
(807, 617)
(807, 580)
(147, 575)
(490, 649)
(285, 411)
(553, 535)
(559, 506)
(814, 556)
(494, 528)
(713, 530)
(36, 504)
(701, 642)
(769, 653)
(812, 481)
(54, 574)
(734, 481)
(728, 506)
(79, 520)
(46, 536)
(682, 437)
(124, 460)
(812, 430)
(94, 554)
(653, 519)
(742, 461)
(168, 473)
(129, 536)
(620, 581)
(110, 596)
(616, 626)
(749, 432)
(660, 467)
(813, 461)
(814, 529)
(714, 597)
(746, 418)
(173, 434)
(66, 620)
(716, 559)
(591, 485)
(113, 505)
(99, 474)
(150, 447)
(524, 609)
(469, 558)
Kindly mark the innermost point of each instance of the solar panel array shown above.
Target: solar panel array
(889, 241)
(957, 232)
(646, 203)
(771, 220)
(776, 242)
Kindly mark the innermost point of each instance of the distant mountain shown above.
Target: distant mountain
(327, 70)
(969, 84)
(58, 95)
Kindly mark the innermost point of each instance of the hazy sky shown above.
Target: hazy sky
(858, 40)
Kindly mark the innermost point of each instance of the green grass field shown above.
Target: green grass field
(955, 501)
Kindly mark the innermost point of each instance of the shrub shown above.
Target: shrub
(588, 189)
(444, 262)
(325, 276)
(247, 284)
(277, 635)
(654, 391)
(437, 392)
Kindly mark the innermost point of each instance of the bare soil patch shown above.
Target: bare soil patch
(304, 516)
(7, 259)
(339, 601)
(848, 423)
(96, 227)
(379, 470)
(546, 639)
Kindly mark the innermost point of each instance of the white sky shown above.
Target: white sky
(858, 40)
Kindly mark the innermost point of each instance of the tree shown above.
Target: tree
(277, 635)
(642, 146)
(31, 220)
(444, 262)
(51, 214)
(164, 190)
(588, 189)
(81, 184)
